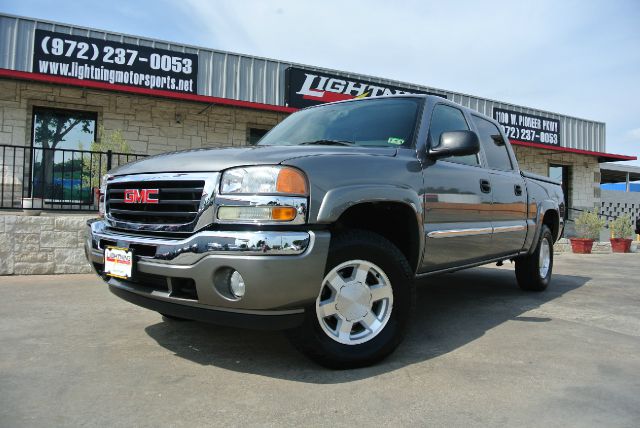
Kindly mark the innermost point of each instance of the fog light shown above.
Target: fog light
(236, 284)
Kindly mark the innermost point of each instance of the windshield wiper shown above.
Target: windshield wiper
(326, 142)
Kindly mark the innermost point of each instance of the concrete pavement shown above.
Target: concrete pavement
(481, 352)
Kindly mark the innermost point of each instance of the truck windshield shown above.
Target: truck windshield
(384, 122)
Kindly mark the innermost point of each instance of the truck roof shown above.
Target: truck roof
(424, 96)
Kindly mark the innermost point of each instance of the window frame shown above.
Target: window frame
(507, 144)
(90, 114)
(451, 159)
(251, 127)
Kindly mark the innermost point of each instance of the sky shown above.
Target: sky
(580, 58)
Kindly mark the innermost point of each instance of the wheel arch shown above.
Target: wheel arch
(551, 219)
(396, 221)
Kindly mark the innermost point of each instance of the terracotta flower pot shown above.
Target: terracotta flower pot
(620, 245)
(581, 245)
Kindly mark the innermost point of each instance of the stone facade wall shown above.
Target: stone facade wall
(584, 173)
(47, 244)
(150, 125)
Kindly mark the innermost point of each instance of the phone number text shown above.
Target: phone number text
(114, 55)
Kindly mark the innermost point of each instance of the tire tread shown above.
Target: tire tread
(298, 336)
(527, 267)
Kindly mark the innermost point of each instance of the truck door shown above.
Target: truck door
(509, 195)
(457, 201)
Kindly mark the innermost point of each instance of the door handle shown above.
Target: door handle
(517, 189)
(485, 186)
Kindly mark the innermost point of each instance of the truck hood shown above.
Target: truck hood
(211, 160)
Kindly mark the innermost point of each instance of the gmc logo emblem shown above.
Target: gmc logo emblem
(141, 196)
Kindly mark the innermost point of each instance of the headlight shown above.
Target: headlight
(264, 180)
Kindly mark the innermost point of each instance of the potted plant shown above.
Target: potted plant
(588, 227)
(621, 233)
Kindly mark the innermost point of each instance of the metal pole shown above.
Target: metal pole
(628, 185)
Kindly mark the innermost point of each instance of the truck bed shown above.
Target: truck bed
(539, 177)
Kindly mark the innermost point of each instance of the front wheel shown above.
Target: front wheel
(533, 271)
(363, 306)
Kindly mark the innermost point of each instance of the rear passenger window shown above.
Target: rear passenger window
(444, 119)
(495, 151)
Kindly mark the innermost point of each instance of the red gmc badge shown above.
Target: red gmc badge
(141, 196)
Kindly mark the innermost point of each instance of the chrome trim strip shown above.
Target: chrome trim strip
(201, 244)
(502, 229)
(459, 232)
(474, 231)
(205, 214)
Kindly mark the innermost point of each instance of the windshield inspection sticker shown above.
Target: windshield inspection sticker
(396, 141)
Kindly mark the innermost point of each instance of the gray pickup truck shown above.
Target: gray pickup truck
(323, 227)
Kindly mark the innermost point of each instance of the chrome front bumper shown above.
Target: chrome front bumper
(282, 270)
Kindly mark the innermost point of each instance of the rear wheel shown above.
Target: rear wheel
(533, 271)
(364, 303)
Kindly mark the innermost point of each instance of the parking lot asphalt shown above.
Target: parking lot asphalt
(481, 352)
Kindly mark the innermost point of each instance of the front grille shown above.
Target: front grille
(178, 202)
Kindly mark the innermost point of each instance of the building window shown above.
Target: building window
(57, 163)
(255, 134)
(561, 173)
(63, 129)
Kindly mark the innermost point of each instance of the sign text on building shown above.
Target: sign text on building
(87, 58)
(305, 88)
(528, 127)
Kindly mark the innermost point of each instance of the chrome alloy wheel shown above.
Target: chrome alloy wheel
(544, 258)
(355, 302)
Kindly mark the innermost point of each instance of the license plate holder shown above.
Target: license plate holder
(118, 262)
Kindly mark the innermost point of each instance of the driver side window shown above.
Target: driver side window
(444, 119)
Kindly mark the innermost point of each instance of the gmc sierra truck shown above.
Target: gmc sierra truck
(322, 228)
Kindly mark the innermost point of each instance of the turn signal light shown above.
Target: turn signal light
(283, 213)
(291, 181)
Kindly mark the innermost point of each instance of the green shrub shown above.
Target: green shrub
(622, 227)
(95, 167)
(589, 224)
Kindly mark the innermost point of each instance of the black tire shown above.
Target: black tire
(311, 339)
(528, 267)
(171, 318)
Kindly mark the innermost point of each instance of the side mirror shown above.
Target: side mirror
(456, 143)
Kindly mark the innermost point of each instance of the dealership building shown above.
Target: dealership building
(67, 87)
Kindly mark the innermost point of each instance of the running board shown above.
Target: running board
(470, 265)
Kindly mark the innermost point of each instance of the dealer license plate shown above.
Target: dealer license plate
(118, 262)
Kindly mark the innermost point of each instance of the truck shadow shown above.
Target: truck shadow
(452, 310)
